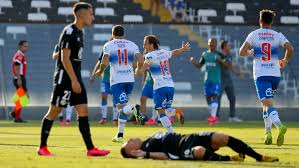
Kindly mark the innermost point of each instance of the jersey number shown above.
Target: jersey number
(266, 49)
(164, 66)
(124, 54)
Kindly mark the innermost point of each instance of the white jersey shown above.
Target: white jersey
(121, 55)
(265, 44)
(159, 68)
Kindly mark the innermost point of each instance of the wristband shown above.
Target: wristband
(147, 155)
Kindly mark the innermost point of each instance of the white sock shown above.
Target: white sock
(267, 121)
(214, 107)
(69, 111)
(154, 114)
(273, 115)
(104, 109)
(166, 123)
(127, 109)
(170, 112)
(121, 125)
(115, 114)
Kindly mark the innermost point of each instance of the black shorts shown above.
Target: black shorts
(63, 95)
(24, 84)
(203, 139)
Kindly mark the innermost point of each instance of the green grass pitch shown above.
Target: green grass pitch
(18, 144)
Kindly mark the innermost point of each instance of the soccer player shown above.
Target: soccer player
(105, 91)
(196, 146)
(68, 86)
(265, 44)
(69, 109)
(120, 54)
(227, 84)
(19, 69)
(212, 59)
(157, 61)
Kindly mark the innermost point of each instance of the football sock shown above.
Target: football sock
(115, 113)
(104, 109)
(170, 112)
(127, 109)
(46, 128)
(166, 123)
(214, 106)
(267, 121)
(154, 114)
(69, 111)
(242, 148)
(209, 155)
(273, 115)
(122, 119)
(85, 132)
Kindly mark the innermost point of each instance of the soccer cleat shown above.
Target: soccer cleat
(97, 152)
(268, 138)
(234, 119)
(136, 111)
(239, 158)
(171, 119)
(212, 120)
(151, 122)
(43, 151)
(280, 139)
(20, 121)
(103, 121)
(269, 159)
(67, 123)
(117, 139)
(180, 115)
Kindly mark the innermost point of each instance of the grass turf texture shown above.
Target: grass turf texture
(18, 144)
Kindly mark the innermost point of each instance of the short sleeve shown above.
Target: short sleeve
(249, 39)
(149, 59)
(169, 53)
(106, 49)
(282, 39)
(202, 58)
(56, 48)
(17, 59)
(136, 49)
(66, 41)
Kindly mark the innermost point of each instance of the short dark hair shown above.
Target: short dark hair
(118, 30)
(22, 42)
(81, 5)
(124, 154)
(223, 43)
(266, 16)
(152, 39)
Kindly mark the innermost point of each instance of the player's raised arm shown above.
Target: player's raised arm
(185, 47)
(199, 63)
(140, 62)
(288, 54)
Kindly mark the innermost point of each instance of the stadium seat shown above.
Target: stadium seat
(66, 11)
(182, 97)
(289, 20)
(97, 49)
(40, 4)
(37, 17)
(182, 86)
(1, 42)
(101, 37)
(14, 30)
(104, 12)
(203, 14)
(69, 1)
(233, 19)
(235, 7)
(5, 4)
(85, 73)
(133, 18)
(105, 2)
(294, 2)
(103, 26)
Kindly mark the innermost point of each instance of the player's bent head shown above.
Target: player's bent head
(153, 40)
(83, 11)
(23, 45)
(212, 43)
(131, 145)
(267, 16)
(118, 31)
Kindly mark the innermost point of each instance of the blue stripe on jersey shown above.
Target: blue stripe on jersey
(113, 58)
(258, 52)
(155, 70)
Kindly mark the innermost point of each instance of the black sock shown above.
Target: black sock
(46, 128)
(210, 155)
(242, 148)
(120, 135)
(85, 132)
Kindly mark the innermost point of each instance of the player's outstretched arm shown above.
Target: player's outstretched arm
(245, 50)
(103, 65)
(185, 47)
(152, 155)
(142, 70)
(288, 54)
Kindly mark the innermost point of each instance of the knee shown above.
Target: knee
(198, 152)
(267, 103)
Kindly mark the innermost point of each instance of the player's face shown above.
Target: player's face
(212, 44)
(146, 46)
(24, 47)
(131, 145)
(88, 16)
